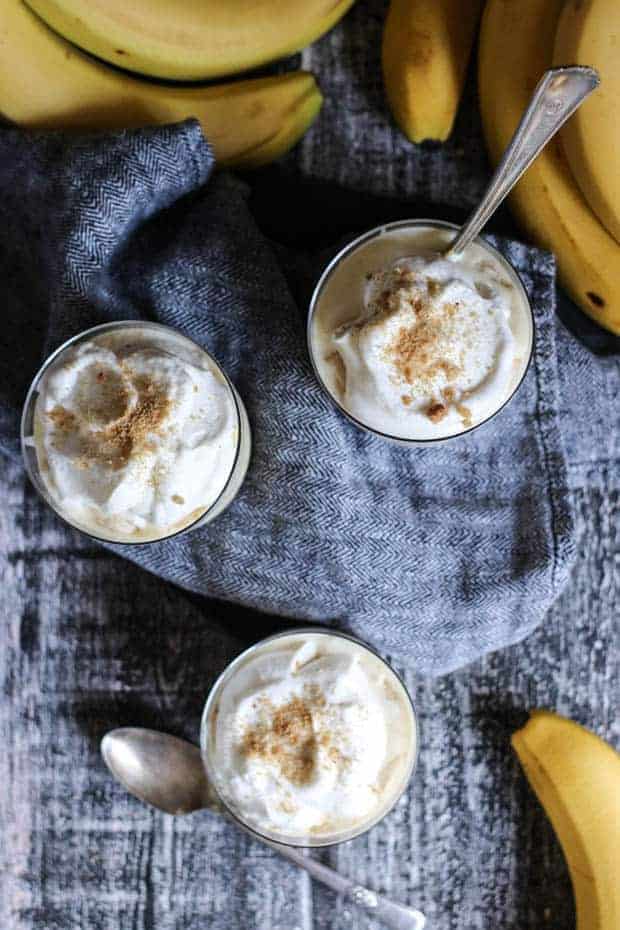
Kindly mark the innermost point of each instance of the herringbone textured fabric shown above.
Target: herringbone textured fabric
(438, 554)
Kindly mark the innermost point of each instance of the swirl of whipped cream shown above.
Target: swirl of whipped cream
(432, 349)
(133, 441)
(312, 736)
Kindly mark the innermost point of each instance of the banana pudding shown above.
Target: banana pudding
(415, 346)
(309, 737)
(136, 433)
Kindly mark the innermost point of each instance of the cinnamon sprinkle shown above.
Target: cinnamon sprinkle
(289, 736)
(417, 351)
(414, 351)
(125, 431)
(436, 412)
(62, 418)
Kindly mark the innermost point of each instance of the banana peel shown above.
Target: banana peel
(516, 47)
(46, 83)
(185, 40)
(576, 777)
(588, 35)
(426, 47)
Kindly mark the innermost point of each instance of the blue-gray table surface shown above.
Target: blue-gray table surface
(89, 641)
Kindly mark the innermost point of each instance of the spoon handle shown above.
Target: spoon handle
(558, 94)
(395, 916)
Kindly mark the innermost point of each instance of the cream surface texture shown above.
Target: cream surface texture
(428, 346)
(312, 736)
(133, 439)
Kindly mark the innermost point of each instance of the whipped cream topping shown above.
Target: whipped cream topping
(133, 439)
(432, 342)
(312, 736)
(415, 345)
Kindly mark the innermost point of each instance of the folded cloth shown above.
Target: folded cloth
(439, 554)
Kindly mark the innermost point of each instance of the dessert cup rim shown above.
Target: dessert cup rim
(31, 399)
(332, 265)
(230, 669)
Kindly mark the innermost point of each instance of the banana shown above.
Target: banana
(47, 83)
(190, 40)
(576, 777)
(516, 42)
(426, 46)
(588, 35)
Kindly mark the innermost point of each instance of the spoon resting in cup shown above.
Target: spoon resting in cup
(558, 94)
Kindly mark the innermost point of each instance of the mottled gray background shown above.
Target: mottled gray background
(89, 641)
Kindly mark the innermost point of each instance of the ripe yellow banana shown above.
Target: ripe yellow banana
(47, 83)
(516, 43)
(576, 777)
(588, 34)
(426, 46)
(189, 40)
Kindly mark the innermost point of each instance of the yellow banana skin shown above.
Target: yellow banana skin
(576, 777)
(187, 40)
(588, 34)
(47, 83)
(426, 47)
(516, 46)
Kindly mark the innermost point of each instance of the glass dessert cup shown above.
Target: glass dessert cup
(439, 235)
(176, 343)
(217, 780)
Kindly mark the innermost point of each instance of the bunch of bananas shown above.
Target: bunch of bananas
(46, 81)
(571, 207)
(569, 200)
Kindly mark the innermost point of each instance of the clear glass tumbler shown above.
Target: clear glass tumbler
(210, 748)
(382, 246)
(175, 343)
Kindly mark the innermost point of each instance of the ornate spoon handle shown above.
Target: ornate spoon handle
(395, 916)
(558, 94)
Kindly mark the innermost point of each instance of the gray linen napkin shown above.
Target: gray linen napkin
(440, 554)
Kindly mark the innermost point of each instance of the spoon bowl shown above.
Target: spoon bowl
(158, 769)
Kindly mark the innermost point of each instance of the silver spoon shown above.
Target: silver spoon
(558, 94)
(168, 773)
